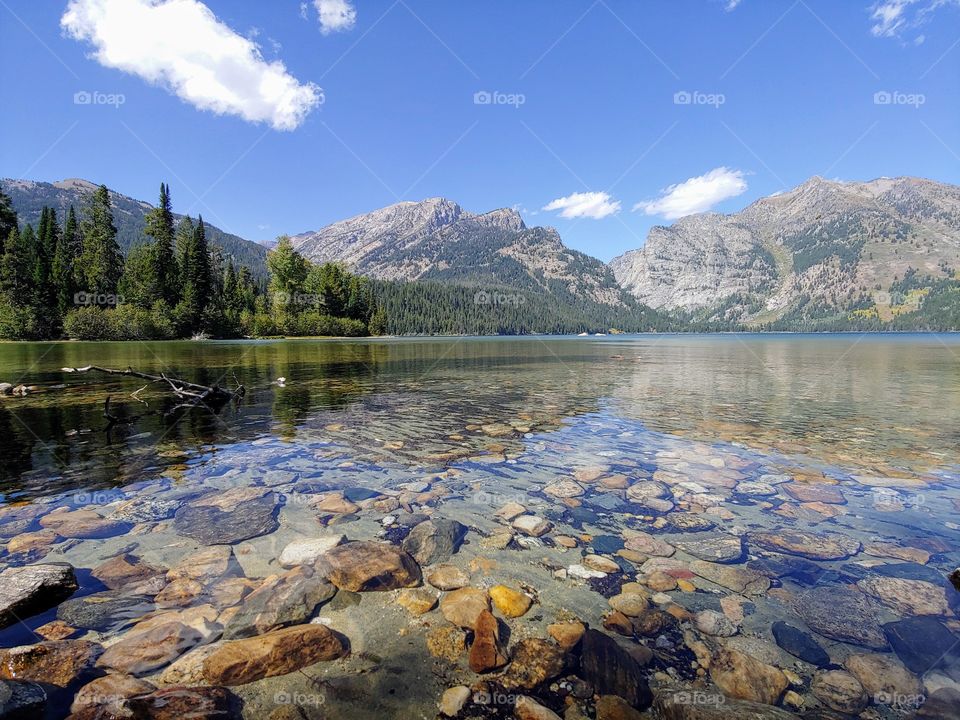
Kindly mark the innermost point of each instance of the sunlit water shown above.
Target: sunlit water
(487, 421)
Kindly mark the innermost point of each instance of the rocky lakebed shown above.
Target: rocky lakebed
(584, 568)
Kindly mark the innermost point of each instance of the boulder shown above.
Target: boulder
(532, 525)
(55, 662)
(813, 546)
(306, 551)
(533, 662)
(800, 644)
(369, 567)
(143, 653)
(883, 676)
(417, 601)
(287, 599)
(207, 522)
(29, 590)
(463, 607)
(908, 597)
(509, 602)
(447, 577)
(20, 699)
(83, 525)
(922, 643)
(280, 652)
(738, 579)
(486, 653)
(714, 548)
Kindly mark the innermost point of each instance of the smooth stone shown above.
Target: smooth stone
(279, 652)
(839, 691)
(600, 564)
(369, 567)
(632, 604)
(660, 581)
(940, 705)
(645, 490)
(56, 662)
(689, 522)
(755, 488)
(104, 611)
(899, 552)
(509, 602)
(29, 590)
(417, 601)
(564, 489)
(207, 565)
(714, 548)
(462, 607)
(486, 654)
(800, 644)
(922, 643)
(533, 661)
(566, 634)
(187, 670)
(740, 676)
(908, 597)
(145, 510)
(714, 623)
(841, 614)
(606, 544)
(143, 653)
(649, 545)
(883, 675)
(532, 525)
(619, 623)
(208, 524)
(653, 622)
(803, 492)
(526, 708)
(55, 630)
(83, 525)
(288, 599)
(581, 572)
(359, 494)
(454, 699)
(612, 670)
(613, 707)
(510, 511)
(39, 540)
(447, 577)
(307, 550)
(435, 541)
(125, 570)
(813, 546)
(909, 571)
(738, 579)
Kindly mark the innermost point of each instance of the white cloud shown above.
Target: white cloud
(732, 5)
(696, 195)
(891, 18)
(335, 15)
(180, 45)
(594, 205)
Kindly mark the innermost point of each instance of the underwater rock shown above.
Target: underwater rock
(509, 602)
(104, 611)
(800, 644)
(883, 675)
(714, 548)
(840, 691)
(306, 550)
(210, 525)
(417, 601)
(463, 607)
(486, 653)
(841, 614)
(369, 567)
(908, 597)
(738, 579)
(532, 525)
(287, 599)
(447, 577)
(29, 590)
(813, 546)
(143, 653)
(743, 677)
(922, 643)
(435, 541)
(533, 661)
(56, 662)
(612, 670)
(21, 699)
(83, 524)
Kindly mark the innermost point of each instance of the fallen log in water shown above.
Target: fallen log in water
(194, 395)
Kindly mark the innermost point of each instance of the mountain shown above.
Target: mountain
(436, 240)
(824, 250)
(30, 196)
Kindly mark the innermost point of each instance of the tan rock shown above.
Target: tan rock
(110, 690)
(26, 542)
(369, 566)
(418, 601)
(660, 581)
(908, 597)
(463, 607)
(57, 662)
(447, 642)
(612, 707)
(527, 708)
(55, 630)
(276, 653)
(740, 676)
(532, 525)
(145, 652)
(567, 634)
(447, 577)
(839, 691)
(486, 653)
(335, 503)
(533, 661)
(883, 675)
(632, 604)
(601, 564)
(453, 700)
(509, 602)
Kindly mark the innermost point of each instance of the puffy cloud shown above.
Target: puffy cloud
(335, 15)
(181, 46)
(594, 205)
(696, 195)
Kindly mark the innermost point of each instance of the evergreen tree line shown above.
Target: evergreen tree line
(70, 279)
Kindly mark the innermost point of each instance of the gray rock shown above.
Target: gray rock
(612, 670)
(435, 541)
(842, 614)
(289, 599)
(29, 590)
(104, 611)
(800, 644)
(210, 525)
(923, 643)
(714, 548)
(697, 704)
(20, 699)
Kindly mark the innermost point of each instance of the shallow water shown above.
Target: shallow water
(870, 422)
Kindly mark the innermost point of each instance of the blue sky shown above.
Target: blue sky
(599, 118)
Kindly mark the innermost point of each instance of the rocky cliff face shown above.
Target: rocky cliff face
(438, 240)
(823, 244)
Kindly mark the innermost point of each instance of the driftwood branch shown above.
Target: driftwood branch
(193, 395)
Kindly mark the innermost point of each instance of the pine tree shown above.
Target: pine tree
(195, 271)
(101, 261)
(66, 257)
(16, 271)
(162, 278)
(8, 218)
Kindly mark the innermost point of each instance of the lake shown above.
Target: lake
(741, 480)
